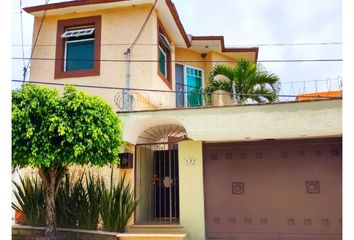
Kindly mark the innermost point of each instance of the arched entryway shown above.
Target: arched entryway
(156, 174)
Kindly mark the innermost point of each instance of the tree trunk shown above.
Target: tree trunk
(49, 177)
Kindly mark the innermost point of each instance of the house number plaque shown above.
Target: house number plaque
(190, 161)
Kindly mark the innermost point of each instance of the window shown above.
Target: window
(189, 84)
(163, 61)
(78, 47)
(164, 56)
(194, 86)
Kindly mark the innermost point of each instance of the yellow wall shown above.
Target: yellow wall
(183, 55)
(191, 189)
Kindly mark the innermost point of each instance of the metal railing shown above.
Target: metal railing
(185, 96)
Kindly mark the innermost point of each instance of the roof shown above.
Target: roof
(319, 95)
(62, 7)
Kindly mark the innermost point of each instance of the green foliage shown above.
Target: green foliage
(65, 215)
(78, 202)
(252, 81)
(117, 204)
(52, 130)
(29, 195)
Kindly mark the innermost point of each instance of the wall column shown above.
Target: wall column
(191, 188)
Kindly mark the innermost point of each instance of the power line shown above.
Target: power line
(35, 42)
(183, 61)
(199, 45)
(142, 27)
(23, 49)
(163, 91)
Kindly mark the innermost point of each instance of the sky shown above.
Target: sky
(244, 24)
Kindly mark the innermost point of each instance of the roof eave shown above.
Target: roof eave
(60, 5)
(225, 49)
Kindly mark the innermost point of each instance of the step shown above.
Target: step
(150, 236)
(156, 228)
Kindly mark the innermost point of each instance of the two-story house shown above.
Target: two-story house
(270, 171)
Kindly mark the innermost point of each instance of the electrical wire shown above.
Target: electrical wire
(183, 61)
(23, 49)
(163, 91)
(142, 27)
(35, 42)
(199, 45)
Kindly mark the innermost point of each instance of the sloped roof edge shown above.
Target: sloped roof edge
(171, 7)
(225, 49)
(59, 5)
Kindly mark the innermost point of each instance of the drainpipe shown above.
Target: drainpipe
(126, 91)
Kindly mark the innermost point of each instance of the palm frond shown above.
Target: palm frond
(250, 80)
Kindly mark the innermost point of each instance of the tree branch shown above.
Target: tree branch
(44, 177)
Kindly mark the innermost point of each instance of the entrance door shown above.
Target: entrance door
(156, 175)
(157, 185)
(165, 182)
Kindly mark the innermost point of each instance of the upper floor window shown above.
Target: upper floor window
(164, 55)
(78, 47)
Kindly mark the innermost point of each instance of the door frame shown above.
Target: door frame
(171, 141)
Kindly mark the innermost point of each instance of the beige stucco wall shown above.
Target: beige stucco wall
(191, 188)
(119, 26)
(242, 123)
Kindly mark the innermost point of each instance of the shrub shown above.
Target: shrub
(80, 203)
(29, 194)
(117, 204)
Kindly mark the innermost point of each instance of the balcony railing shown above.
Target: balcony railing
(185, 96)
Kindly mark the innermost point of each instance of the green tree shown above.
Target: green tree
(51, 132)
(252, 81)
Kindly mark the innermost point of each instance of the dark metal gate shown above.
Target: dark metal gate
(156, 186)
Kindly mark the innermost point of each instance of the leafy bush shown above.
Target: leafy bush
(117, 204)
(80, 203)
(65, 215)
(29, 194)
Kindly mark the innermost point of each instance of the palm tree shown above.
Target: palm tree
(252, 82)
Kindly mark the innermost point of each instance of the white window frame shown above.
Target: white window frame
(185, 81)
(165, 41)
(78, 32)
(165, 54)
(73, 41)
